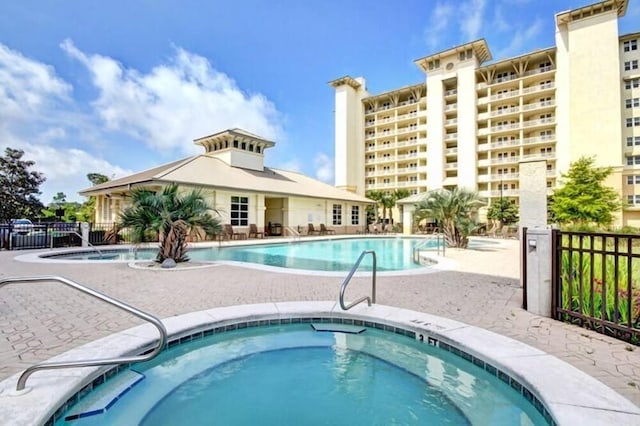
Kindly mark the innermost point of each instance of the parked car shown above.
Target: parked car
(21, 226)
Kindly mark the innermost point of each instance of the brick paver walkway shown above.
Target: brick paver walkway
(38, 321)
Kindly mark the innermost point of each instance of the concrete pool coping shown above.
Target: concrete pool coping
(561, 387)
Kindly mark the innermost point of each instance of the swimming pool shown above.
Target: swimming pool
(393, 254)
(294, 374)
(555, 388)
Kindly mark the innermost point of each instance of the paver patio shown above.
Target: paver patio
(38, 321)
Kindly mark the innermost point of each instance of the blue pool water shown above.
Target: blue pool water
(291, 374)
(393, 254)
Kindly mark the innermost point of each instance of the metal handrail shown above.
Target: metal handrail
(97, 362)
(83, 239)
(346, 281)
(294, 233)
(437, 236)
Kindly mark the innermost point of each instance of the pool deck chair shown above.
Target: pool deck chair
(325, 231)
(311, 230)
(254, 233)
(231, 235)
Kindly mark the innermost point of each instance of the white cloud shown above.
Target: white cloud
(324, 168)
(471, 24)
(27, 87)
(520, 39)
(37, 117)
(66, 169)
(175, 103)
(438, 24)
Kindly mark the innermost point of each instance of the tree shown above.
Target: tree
(97, 178)
(376, 196)
(171, 216)
(453, 210)
(503, 211)
(584, 199)
(19, 186)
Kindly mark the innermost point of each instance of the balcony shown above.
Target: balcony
(504, 160)
(538, 88)
(506, 95)
(504, 111)
(505, 78)
(499, 144)
(504, 127)
(504, 176)
(450, 92)
(539, 139)
(538, 71)
(538, 105)
(451, 107)
(451, 151)
(450, 136)
(451, 122)
(540, 155)
(540, 122)
(451, 166)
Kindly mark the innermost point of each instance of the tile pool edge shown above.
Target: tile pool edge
(561, 389)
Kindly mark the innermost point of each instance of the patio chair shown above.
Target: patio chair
(325, 231)
(311, 230)
(254, 233)
(232, 235)
(373, 229)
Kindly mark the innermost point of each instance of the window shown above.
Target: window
(355, 215)
(544, 67)
(633, 122)
(633, 160)
(633, 141)
(631, 65)
(632, 103)
(633, 199)
(235, 144)
(634, 83)
(239, 211)
(337, 214)
(630, 45)
(633, 179)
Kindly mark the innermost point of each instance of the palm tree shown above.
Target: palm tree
(452, 209)
(171, 216)
(376, 196)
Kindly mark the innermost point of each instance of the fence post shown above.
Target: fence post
(85, 234)
(537, 265)
(523, 266)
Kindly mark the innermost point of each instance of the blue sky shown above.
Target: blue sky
(121, 86)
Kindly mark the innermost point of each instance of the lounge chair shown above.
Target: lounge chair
(325, 231)
(254, 233)
(312, 231)
(231, 235)
(373, 229)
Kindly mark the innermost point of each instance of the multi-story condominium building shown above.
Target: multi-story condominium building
(474, 120)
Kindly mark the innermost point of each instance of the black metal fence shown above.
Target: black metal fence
(596, 282)
(58, 234)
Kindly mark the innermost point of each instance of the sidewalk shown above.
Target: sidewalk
(38, 321)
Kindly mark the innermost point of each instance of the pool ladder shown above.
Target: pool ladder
(22, 380)
(346, 281)
(440, 242)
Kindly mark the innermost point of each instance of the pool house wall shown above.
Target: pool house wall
(291, 212)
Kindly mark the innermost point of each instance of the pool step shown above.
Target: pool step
(337, 328)
(99, 402)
